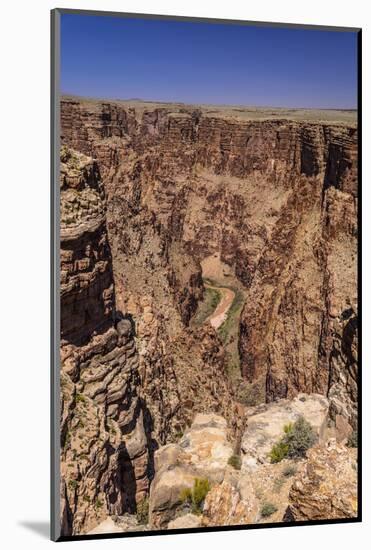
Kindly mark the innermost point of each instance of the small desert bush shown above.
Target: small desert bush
(278, 452)
(297, 439)
(235, 462)
(195, 497)
(142, 511)
(80, 398)
(268, 509)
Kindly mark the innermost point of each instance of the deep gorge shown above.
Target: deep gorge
(275, 201)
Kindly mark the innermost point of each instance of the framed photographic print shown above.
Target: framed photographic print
(205, 292)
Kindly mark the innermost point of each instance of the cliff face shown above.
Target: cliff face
(276, 199)
(304, 287)
(157, 282)
(105, 446)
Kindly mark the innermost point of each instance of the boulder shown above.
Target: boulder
(203, 452)
(224, 505)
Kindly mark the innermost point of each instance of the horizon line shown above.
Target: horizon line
(179, 102)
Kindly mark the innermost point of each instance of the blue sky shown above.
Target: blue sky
(161, 60)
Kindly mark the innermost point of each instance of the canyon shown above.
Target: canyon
(208, 285)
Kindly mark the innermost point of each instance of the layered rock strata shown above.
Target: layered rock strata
(105, 446)
(157, 283)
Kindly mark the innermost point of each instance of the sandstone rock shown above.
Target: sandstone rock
(224, 505)
(326, 486)
(265, 423)
(203, 452)
(118, 524)
(206, 447)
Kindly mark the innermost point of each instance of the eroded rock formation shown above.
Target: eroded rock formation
(105, 447)
(276, 202)
(276, 198)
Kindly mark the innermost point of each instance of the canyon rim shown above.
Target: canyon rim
(208, 315)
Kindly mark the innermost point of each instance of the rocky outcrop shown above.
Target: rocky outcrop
(87, 299)
(188, 521)
(201, 453)
(326, 486)
(105, 444)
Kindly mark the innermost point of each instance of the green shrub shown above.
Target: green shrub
(268, 509)
(178, 435)
(201, 487)
(186, 495)
(98, 504)
(279, 452)
(142, 511)
(235, 462)
(353, 439)
(195, 497)
(297, 439)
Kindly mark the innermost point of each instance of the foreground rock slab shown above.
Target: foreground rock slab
(203, 452)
